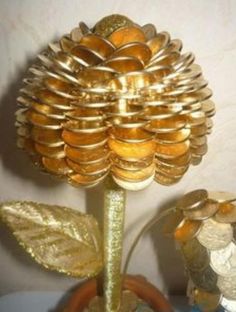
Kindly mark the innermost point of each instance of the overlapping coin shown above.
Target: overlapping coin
(209, 250)
(112, 99)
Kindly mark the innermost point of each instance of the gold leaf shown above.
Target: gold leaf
(58, 238)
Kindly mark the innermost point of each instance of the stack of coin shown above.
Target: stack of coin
(119, 98)
(204, 226)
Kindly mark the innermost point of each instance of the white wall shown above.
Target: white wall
(206, 27)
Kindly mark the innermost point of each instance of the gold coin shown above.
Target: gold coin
(131, 175)
(98, 44)
(67, 44)
(173, 137)
(172, 222)
(89, 180)
(207, 301)
(165, 179)
(137, 50)
(56, 166)
(205, 279)
(83, 139)
(86, 156)
(226, 213)
(50, 152)
(124, 64)
(204, 212)
(195, 255)
(131, 135)
(227, 286)
(126, 35)
(90, 169)
(222, 197)
(43, 121)
(149, 31)
(86, 56)
(215, 235)
(193, 200)
(133, 186)
(157, 43)
(132, 150)
(187, 229)
(172, 150)
(47, 137)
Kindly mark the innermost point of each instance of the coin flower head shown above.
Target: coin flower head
(119, 99)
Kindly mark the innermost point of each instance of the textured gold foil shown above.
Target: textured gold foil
(114, 211)
(58, 238)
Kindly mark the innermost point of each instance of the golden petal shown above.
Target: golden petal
(67, 44)
(48, 137)
(50, 98)
(131, 135)
(149, 31)
(86, 180)
(56, 166)
(127, 34)
(160, 41)
(131, 165)
(132, 175)
(132, 185)
(135, 49)
(102, 46)
(83, 139)
(48, 110)
(166, 125)
(172, 150)
(87, 56)
(123, 64)
(86, 156)
(95, 76)
(173, 137)
(81, 126)
(166, 179)
(132, 150)
(90, 169)
(51, 152)
(43, 121)
(188, 229)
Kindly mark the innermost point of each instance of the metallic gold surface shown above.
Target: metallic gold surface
(114, 211)
(121, 86)
(58, 238)
(210, 256)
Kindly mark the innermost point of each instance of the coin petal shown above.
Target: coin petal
(227, 286)
(215, 235)
(205, 279)
(205, 212)
(193, 200)
(226, 213)
(223, 261)
(187, 230)
(195, 255)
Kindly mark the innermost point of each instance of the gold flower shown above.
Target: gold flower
(120, 99)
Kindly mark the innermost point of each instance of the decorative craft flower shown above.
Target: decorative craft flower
(120, 99)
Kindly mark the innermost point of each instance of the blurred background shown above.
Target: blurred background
(206, 27)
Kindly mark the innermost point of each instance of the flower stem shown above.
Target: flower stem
(114, 211)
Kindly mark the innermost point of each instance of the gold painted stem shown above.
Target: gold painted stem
(114, 211)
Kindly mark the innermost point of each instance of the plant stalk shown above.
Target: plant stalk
(114, 212)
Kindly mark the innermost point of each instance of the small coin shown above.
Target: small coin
(193, 200)
(172, 222)
(127, 34)
(215, 235)
(205, 279)
(195, 255)
(149, 31)
(223, 261)
(226, 213)
(187, 229)
(206, 211)
(227, 286)
(228, 305)
(207, 301)
(222, 196)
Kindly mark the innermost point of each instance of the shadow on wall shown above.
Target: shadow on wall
(170, 264)
(14, 159)
(168, 259)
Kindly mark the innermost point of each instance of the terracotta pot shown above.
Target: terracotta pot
(138, 284)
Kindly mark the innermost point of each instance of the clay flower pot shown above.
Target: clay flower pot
(138, 284)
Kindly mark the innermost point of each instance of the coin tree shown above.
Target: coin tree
(118, 102)
(204, 225)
